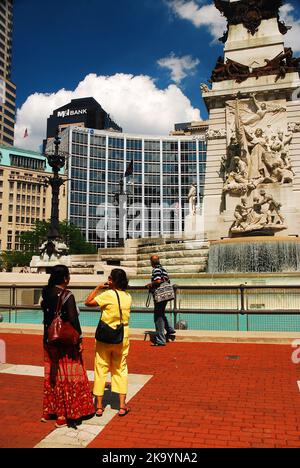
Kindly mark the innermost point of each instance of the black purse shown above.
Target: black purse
(106, 334)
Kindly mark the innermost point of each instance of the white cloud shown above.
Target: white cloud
(134, 102)
(206, 15)
(287, 14)
(179, 67)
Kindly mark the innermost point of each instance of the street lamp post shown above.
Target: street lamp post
(121, 203)
(54, 246)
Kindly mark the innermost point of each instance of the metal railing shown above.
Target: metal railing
(236, 307)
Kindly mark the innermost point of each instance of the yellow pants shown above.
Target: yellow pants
(111, 358)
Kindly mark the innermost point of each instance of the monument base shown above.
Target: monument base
(194, 226)
(39, 265)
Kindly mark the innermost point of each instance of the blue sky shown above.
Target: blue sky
(172, 43)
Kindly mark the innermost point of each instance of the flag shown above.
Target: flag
(25, 133)
(129, 170)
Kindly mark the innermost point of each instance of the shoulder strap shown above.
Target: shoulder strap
(120, 310)
(60, 302)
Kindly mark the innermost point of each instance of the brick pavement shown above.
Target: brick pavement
(196, 398)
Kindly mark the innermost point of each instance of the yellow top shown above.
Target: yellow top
(108, 303)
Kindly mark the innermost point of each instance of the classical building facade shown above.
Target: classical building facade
(7, 87)
(24, 196)
(163, 169)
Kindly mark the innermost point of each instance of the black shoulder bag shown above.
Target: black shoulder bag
(106, 334)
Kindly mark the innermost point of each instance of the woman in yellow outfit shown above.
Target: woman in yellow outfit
(112, 357)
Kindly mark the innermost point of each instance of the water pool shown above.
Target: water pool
(215, 322)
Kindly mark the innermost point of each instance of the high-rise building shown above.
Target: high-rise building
(163, 169)
(7, 88)
(83, 112)
(25, 196)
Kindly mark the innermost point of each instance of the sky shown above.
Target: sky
(142, 60)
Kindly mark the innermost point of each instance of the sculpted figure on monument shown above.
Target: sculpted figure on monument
(192, 199)
(263, 153)
(247, 218)
(260, 111)
(263, 214)
(258, 146)
(204, 88)
(272, 209)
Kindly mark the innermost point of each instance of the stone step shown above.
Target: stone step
(174, 269)
(171, 248)
(176, 261)
(129, 263)
(177, 254)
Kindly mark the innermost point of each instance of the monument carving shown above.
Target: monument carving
(280, 65)
(250, 13)
(258, 149)
(214, 134)
(263, 214)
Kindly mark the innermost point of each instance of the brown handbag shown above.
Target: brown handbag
(61, 332)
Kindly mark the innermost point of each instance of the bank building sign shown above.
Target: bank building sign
(68, 112)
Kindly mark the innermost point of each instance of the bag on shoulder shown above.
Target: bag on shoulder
(164, 293)
(106, 334)
(61, 332)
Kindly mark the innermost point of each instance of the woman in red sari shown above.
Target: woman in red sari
(67, 393)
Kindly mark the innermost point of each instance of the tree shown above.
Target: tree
(70, 234)
(10, 259)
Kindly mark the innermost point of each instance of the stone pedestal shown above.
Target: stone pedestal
(40, 265)
(194, 226)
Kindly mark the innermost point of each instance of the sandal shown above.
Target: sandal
(99, 412)
(61, 422)
(126, 411)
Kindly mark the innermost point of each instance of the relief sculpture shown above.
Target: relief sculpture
(263, 214)
(258, 150)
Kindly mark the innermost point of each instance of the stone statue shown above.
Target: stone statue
(204, 88)
(47, 253)
(192, 199)
(263, 214)
(258, 145)
(248, 218)
(272, 210)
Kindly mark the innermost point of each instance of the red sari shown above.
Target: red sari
(66, 387)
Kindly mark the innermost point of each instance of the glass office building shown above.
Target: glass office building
(163, 169)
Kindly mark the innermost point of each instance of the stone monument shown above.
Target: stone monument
(253, 155)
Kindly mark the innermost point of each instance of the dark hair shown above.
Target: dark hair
(119, 278)
(58, 275)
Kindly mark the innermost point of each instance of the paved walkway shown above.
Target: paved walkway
(199, 395)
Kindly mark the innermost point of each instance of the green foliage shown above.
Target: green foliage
(10, 259)
(32, 240)
(70, 234)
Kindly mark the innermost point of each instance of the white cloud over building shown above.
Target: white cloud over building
(134, 102)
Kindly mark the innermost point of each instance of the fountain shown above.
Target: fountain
(255, 255)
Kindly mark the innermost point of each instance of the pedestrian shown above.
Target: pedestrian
(112, 357)
(67, 393)
(159, 275)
